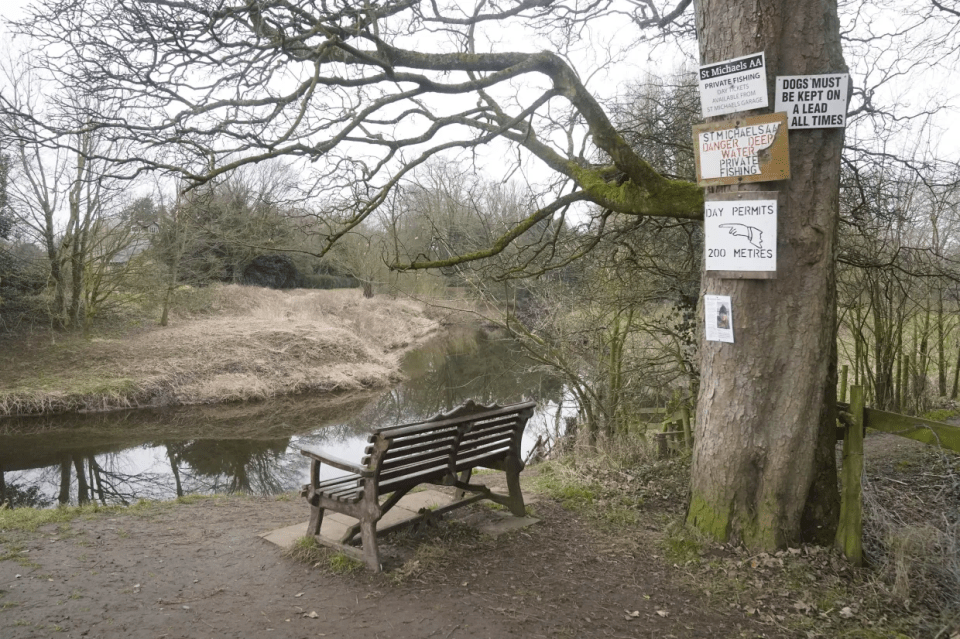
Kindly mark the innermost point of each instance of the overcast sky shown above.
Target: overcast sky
(11, 9)
(944, 82)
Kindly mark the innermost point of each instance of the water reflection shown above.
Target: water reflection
(156, 454)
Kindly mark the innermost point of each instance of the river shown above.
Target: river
(123, 456)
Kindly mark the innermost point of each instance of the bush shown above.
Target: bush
(22, 284)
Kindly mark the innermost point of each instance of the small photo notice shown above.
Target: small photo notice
(718, 312)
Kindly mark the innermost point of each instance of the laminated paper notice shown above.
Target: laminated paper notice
(718, 312)
(733, 85)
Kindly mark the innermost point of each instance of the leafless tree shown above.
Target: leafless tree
(368, 93)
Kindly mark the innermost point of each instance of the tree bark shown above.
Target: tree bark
(83, 491)
(956, 375)
(64, 496)
(764, 470)
(941, 347)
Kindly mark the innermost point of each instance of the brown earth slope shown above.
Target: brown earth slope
(242, 343)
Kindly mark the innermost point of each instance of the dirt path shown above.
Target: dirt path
(199, 570)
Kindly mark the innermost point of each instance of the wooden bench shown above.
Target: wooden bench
(442, 450)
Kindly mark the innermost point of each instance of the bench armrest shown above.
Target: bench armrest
(336, 462)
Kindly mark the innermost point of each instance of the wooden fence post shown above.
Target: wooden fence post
(850, 531)
(687, 431)
(662, 447)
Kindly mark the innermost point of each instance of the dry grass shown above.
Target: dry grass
(232, 343)
(912, 526)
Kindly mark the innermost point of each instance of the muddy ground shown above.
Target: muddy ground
(199, 569)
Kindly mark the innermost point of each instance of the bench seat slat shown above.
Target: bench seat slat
(337, 481)
(404, 457)
(410, 460)
(426, 474)
(424, 444)
(396, 431)
(440, 461)
(481, 460)
(352, 493)
(465, 447)
(486, 449)
(396, 450)
(423, 437)
(504, 432)
(474, 425)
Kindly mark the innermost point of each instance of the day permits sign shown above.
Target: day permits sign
(813, 101)
(741, 234)
(753, 149)
(734, 85)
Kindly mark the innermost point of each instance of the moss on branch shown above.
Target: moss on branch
(672, 198)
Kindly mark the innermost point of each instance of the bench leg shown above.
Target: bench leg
(464, 479)
(513, 468)
(316, 511)
(371, 553)
(316, 520)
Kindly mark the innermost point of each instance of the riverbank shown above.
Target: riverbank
(225, 344)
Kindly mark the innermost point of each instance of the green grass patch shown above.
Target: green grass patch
(30, 519)
(941, 414)
(342, 563)
(17, 553)
(194, 499)
(603, 504)
(681, 544)
(13, 551)
(571, 490)
(307, 550)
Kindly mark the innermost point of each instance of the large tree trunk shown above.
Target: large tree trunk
(763, 466)
(56, 273)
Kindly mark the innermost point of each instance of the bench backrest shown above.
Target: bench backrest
(469, 436)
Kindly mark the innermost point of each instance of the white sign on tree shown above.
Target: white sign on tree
(718, 313)
(741, 235)
(813, 101)
(739, 84)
